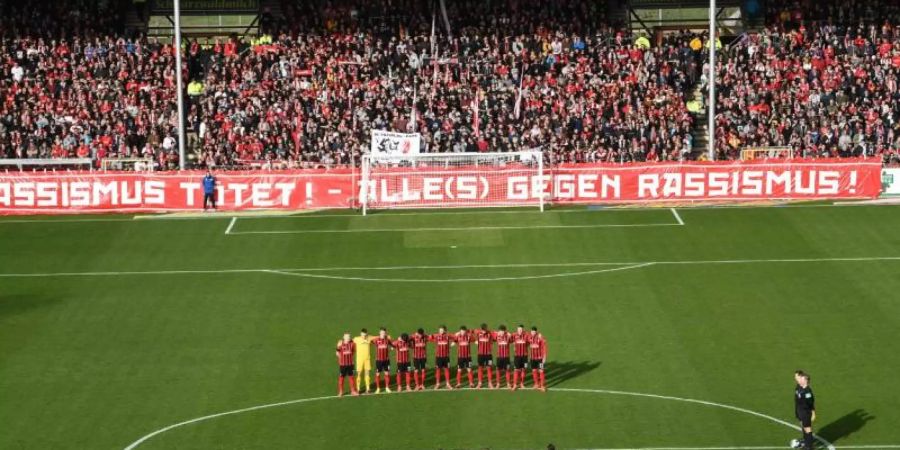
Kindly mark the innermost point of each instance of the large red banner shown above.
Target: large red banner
(68, 192)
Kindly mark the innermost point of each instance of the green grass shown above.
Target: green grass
(98, 361)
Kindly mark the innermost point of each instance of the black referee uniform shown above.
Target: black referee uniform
(804, 405)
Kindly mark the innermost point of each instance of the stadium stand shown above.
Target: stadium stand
(322, 74)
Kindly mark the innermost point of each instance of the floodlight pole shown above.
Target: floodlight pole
(179, 84)
(711, 103)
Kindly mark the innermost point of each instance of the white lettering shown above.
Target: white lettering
(431, 188)
(648, 185)
(782, 179)
(611, 182)
(286, 190)
(829, 182)
(155, 192)
(46, 194)
(753, 182)
(260, 195)
(190, 190)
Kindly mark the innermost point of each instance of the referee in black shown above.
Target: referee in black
(804, 408)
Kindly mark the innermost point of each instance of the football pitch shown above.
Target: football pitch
(667, 328)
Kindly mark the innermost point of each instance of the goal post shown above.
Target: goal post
(452, 180)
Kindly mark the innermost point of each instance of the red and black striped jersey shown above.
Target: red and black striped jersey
(420, 346)
(382, 348)
(441, 344)
(345, 351)
(485, 341)
(463, 344)
(503, 341)
(538, 346)
(521, 342)
(402, 348)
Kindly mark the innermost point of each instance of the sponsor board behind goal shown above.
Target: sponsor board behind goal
(31, 193)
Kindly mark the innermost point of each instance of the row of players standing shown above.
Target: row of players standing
(529, 350)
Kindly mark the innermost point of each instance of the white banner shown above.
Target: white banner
(890, 181)
(388, 143)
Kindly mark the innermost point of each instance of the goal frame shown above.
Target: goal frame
(367, 160)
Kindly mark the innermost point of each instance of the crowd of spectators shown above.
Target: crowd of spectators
(828, 87)
(537, 74)
(543, 75)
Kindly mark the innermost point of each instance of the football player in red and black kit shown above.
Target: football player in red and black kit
(402, 347)
(345, 352)
(520, 340)
(463, 339)
(504, 341)
(538, 348)
(420, 348)
(485, 339)
(383, 345)
(442, 342)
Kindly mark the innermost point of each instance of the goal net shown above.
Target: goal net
(751, 153)
(452, 180)
(127, 164)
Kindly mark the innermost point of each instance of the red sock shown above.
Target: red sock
(534, 378)
(507, 377)
(352, 385)
(341, 384)
(447, 375)
(416, 376)
(387, 380)
(399, 385)
(422, 377)
(458, 376)
(437, 376)
(469, 373)
(480, 373)
(377, 383)
(543, 379)
(407, 380)
(489, 375)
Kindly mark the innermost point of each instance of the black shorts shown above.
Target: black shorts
(485, 360)
(382, 366)
(805, 419)
(537, 364)
(346, 371)
(419, 363)
(442, 362)
(521, 362)
(402, 367)
(503, 363)
(464, 363)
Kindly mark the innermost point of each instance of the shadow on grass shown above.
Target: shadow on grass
(845, 426)
(558, 372)
(16, 304)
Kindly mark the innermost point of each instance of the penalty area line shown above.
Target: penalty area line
(231, 225)
(630, 264)
(459, 280)
(677, 216)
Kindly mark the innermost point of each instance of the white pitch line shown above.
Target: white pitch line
(677, 216)
(471, 266)
(231, 225)
(150, 435)
(700, 402)
(511, 227)
(458, 280)
(601, 208)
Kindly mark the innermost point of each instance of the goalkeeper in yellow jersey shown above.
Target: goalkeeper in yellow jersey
(363, 359)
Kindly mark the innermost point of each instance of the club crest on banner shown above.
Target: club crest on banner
(390, 143)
